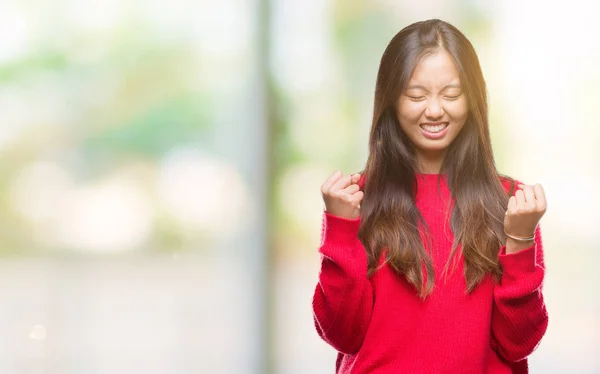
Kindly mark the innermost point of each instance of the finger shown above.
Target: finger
(520, 199)
(351, 189)
(343, 182)
(529, 197)
(357, 197)
(330, 181)
(512, 205)
(540, 196)
(355, 178)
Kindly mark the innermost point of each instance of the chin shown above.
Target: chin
(427, 148)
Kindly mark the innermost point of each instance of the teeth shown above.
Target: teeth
(434, 129)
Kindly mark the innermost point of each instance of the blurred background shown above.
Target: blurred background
(160, 166)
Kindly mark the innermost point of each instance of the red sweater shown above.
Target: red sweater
(380, 325)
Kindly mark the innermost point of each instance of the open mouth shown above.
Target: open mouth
(434, 130)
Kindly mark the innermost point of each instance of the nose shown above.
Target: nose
(434, 109)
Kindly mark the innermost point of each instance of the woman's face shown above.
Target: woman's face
(433, 109)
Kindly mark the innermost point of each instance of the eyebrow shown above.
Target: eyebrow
(452, 85)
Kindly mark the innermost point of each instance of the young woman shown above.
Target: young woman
(432, 261)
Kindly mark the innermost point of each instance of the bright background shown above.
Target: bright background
(160, 165)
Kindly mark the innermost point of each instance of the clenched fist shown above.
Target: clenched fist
(524, 212)
(342, 195)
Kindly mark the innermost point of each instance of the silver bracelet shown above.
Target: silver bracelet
(519, 238)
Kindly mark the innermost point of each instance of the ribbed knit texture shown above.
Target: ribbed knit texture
(380, 325)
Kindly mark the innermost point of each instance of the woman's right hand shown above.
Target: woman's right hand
(342, 195)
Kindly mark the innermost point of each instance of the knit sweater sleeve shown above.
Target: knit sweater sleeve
(519, 316)
(343, 298)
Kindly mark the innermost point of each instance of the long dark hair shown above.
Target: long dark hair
(390, 219)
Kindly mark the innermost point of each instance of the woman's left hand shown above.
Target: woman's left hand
(525, 210)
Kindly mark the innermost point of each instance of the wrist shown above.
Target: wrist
(514, 246)
(519, 238)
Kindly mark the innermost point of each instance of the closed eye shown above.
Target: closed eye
(452, 97)
(416, 98)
